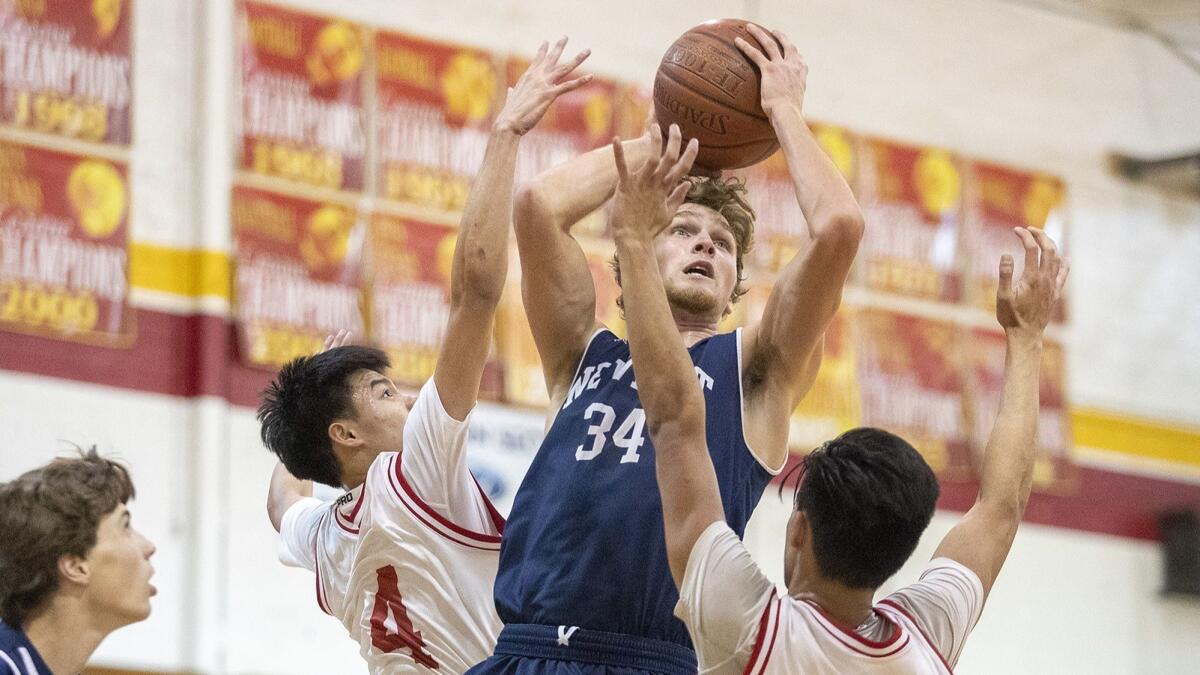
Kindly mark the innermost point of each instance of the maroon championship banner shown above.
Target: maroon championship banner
(64, 230)
(297, 274)
(1001, 199)
(436, 103)
(632, 108)
(524, 383)
(66, 68)
(1054, 470)
(911, 198)
(302, 116)
(910, 378)
(410, 298)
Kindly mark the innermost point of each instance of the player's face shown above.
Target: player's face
(381, 411)
(697, 256)
(119, 587)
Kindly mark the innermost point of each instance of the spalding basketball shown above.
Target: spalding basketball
(707, 86)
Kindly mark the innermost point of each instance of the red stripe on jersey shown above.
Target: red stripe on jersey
(853, 634)
(855, 648)
(497, 519)
(764, 629)
(317, 569)
(428, 516)
(920, 630)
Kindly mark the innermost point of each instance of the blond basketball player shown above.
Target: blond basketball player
(406, 559)
(863, 501)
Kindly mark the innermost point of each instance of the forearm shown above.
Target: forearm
(1007, 473)
(566, 193)
(284, 491)
(825, 199)
(481, 254)
(674, 405)
(667, 385)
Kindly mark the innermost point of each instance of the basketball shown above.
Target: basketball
(711, 90)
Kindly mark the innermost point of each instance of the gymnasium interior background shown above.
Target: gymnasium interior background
(952, 119)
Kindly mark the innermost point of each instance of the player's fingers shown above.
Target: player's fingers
(751, 52)
(328, 343)
(566, 68)
(656, 143)
(684, 164)
(619, 158)
(675, 199)
(1064, 271)
(769, 46)
(572, 85)
(541, 54)
(1004, 288)
(1031, 250)
(789, 49)
(670, 154)
(556, 51)
(1049, 252)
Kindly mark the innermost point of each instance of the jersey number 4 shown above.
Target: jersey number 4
(628, 435)
(401, 634)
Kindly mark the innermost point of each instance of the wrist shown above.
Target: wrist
(630, 239)
(506, 130)
(1024, 338)
(785, 112)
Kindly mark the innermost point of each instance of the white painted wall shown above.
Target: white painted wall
(979, 76)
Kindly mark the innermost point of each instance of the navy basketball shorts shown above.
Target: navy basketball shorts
(529, 649)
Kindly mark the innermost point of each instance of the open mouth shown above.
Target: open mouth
(699, 268)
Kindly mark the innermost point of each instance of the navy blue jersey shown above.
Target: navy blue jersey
(17, 655)
(584, 545)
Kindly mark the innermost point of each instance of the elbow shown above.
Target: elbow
(530, 205)
(844, 230)
(482, 280)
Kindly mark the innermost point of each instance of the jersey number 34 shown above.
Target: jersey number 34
(628, 435)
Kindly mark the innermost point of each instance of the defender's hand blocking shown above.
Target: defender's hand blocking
(540, 84)
(1029, 305)
(784, 73)
(341, 339)
(648, 196)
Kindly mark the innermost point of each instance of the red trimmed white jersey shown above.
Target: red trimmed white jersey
(407, 561)
(739, 624)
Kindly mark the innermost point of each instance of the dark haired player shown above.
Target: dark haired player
(583, 549)
(72, 568)
(407, 558)
(862, 503)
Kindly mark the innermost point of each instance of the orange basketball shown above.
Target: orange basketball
(711, 90)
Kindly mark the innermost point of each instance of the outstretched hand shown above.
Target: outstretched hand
(1028, 305)
(647, 196)
(784, 73)
(341, 339)
(544, 81)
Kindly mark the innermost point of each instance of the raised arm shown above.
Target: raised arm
(481, 252)
(784, 348)
(556, 286)
(285, 490)
(982, 539)
(647, 195)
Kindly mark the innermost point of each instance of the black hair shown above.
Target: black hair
(308, 394)
(868, 495)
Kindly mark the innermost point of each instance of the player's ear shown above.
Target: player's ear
(73, 569)
(342, 433)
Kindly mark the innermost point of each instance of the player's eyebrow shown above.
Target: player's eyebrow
(376, 381)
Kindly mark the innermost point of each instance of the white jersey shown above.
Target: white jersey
(739, 624)
(407, 560)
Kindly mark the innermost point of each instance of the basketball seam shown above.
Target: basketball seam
(667, 74)
(753, 66)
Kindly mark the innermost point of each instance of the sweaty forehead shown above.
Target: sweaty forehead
(700, 215)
